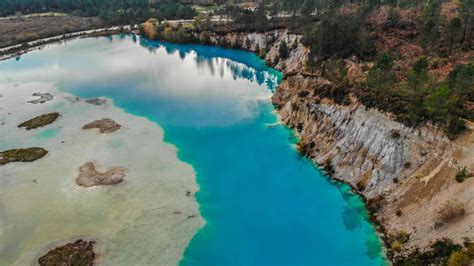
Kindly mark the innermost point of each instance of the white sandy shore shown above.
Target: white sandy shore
(144, 220)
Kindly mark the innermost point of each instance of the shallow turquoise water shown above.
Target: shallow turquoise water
(263, 203)
(48, 133)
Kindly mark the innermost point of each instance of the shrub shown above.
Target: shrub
(459, 258)
(376, 203)
(394, 134)
(361, 185)
(449, 212)
(303, 94)
(247, 43)
(437, 254)
(395, 180)
(396, 246)
(401, 237)
(328, 167)
(461, 174)
(398, 213)
(455, 127)
(470, 249)
(257, 49)
(205, 37)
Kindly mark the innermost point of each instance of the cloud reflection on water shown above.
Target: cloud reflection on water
(186, 78)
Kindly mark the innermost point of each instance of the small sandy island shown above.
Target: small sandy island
(105, 125)
(78, 253)
(22, 155)
(40, 121)
(89, 176)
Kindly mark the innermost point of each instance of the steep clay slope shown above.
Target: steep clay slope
(405, 170)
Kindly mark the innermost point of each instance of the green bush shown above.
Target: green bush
(462, 174)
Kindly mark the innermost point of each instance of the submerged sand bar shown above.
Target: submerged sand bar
(132, 223)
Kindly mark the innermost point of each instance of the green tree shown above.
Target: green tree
(338, 36)
(453, 33)
(261, 19)
(467, 14)
(283, 50)
(381, 76)
(417, 83)
(431, 20)
(418, 77)
(202, 22)
(441, 105)
(461, 81)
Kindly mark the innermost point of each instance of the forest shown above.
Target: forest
(113, 12)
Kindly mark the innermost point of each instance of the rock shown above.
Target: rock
(89, 177)
(96, 101)
(78, 253)
(106, 125)
(44, 97)
(22, 155)
(40, 121)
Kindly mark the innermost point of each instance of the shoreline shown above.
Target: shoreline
(38, 44)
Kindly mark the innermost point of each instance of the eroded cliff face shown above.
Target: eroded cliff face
(267, 45)
(409, 173)
(366, 148)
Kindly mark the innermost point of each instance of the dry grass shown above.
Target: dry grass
(18, 30)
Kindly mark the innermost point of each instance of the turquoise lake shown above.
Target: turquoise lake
(263, 203)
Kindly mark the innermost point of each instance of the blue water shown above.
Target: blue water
(263, 203)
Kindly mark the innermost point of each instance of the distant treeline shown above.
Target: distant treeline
(112, 11)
